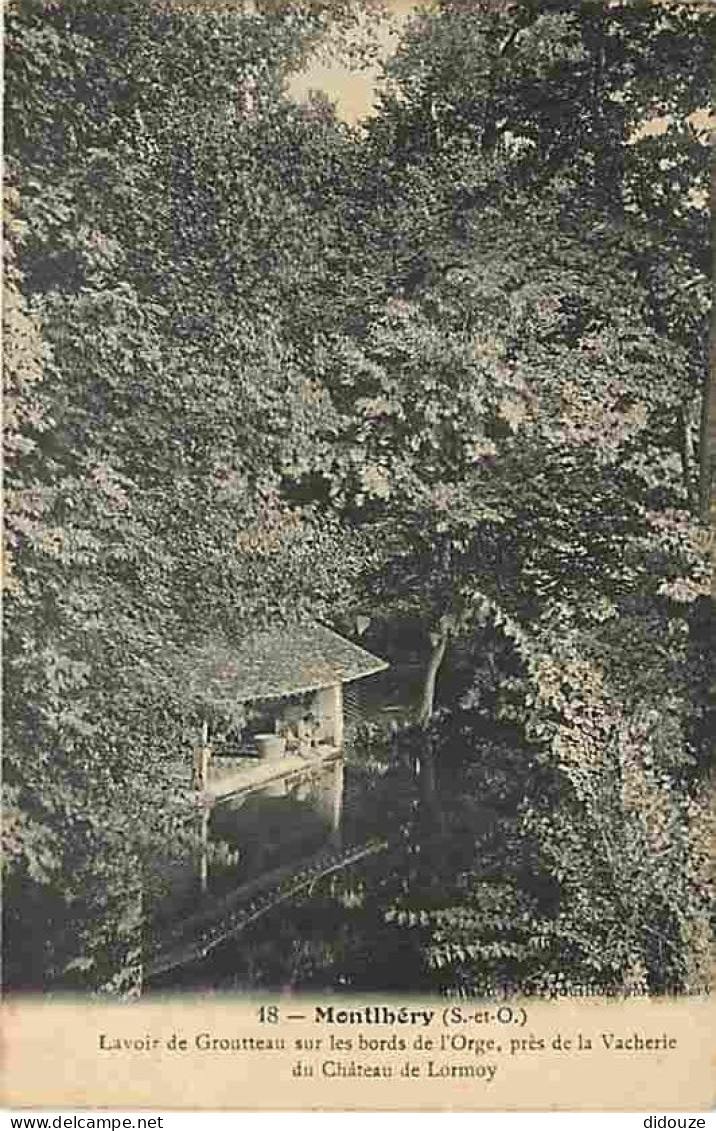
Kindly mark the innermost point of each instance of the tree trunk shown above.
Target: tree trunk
(425, 764)
(439, 642)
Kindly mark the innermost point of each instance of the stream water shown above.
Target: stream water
(333, 935)
(325, 929)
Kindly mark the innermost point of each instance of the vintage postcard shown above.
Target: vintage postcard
(357, 585)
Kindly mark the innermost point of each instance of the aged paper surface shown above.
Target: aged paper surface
(422, 1054)
(338, 1052)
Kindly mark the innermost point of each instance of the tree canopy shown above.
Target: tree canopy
(448, 366)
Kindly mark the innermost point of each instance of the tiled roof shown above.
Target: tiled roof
(274, 664)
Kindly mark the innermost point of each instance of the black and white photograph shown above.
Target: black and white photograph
(357, 500)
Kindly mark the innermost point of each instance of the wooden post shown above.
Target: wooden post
(204, 848)
(337, 809)
(329, 708)
(202, 756)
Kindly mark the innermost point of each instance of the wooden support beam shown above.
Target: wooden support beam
(204, 848)
(202, 757)
(329, 709)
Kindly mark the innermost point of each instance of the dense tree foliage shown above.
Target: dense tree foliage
(449, 369)
(157, 405)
